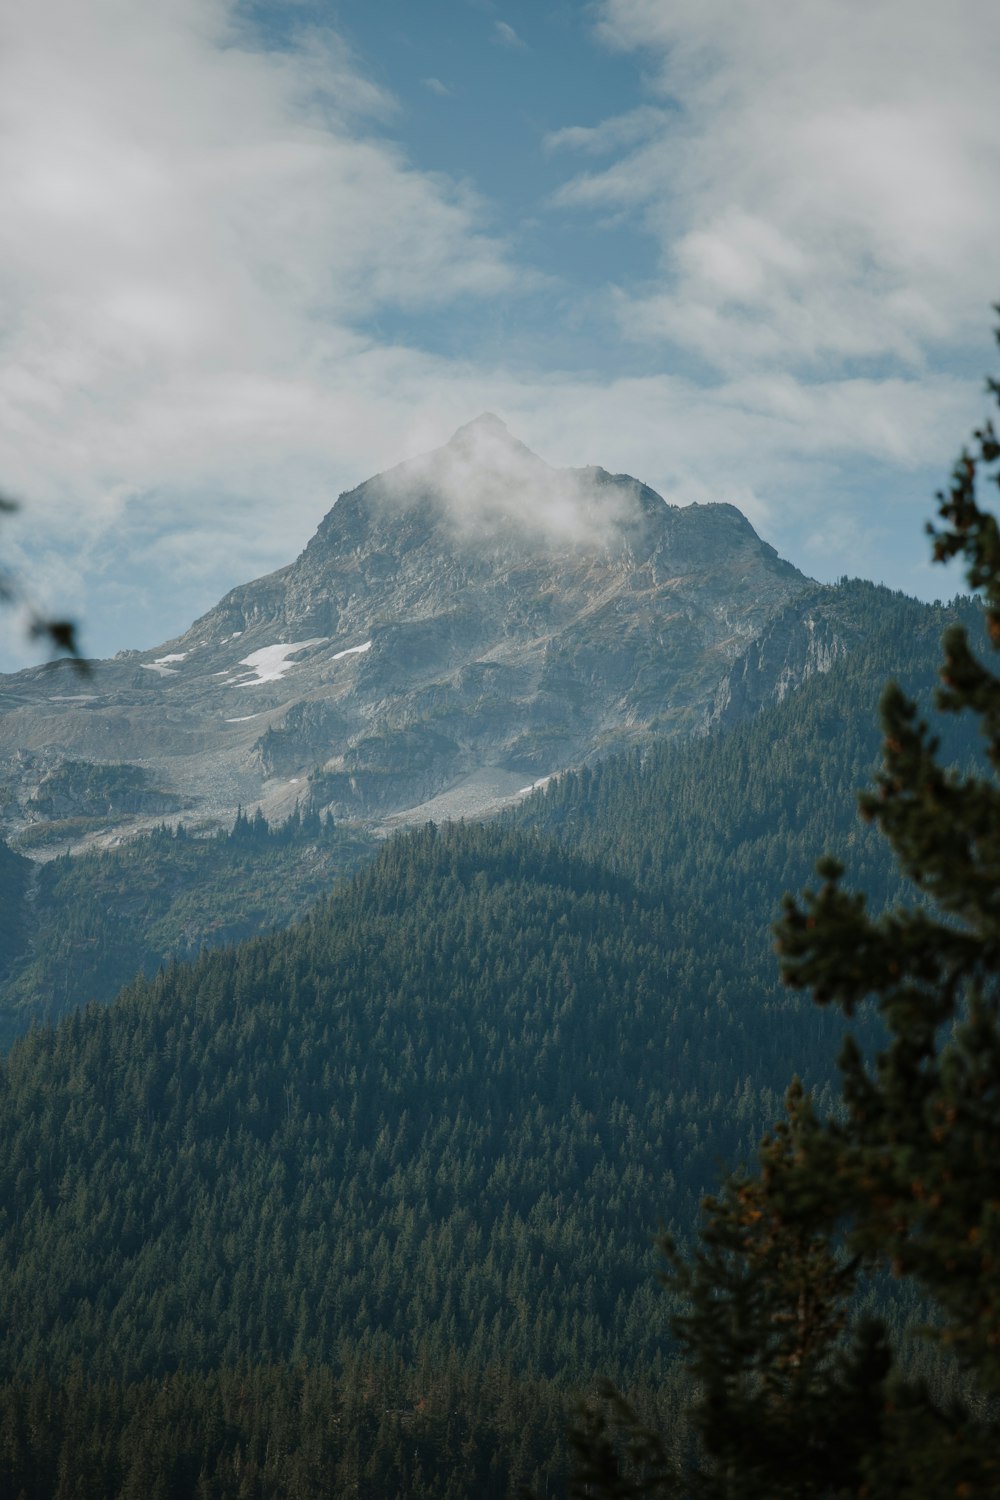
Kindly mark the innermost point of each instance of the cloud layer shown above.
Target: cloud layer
(821, 181)
(209, 248)
(195, 234)
(493, 491)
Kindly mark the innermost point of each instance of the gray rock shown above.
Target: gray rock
(464, 621)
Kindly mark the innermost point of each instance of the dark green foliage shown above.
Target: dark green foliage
(786, 1406)
(94, 921)
(15, 877)
(913, 1167)
(277, 1432)
(98, 790)
(60, 634)
(424, 1114)
(798, 1393)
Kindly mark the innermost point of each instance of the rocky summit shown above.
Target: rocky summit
(459, 628)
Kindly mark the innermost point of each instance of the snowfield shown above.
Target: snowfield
(160, 664)
(270, 663)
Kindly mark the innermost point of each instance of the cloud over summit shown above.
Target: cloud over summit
(494, 491)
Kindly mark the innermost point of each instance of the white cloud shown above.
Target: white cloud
(488, 483)
(194, 232)
(435, 86)
(610, 135)
(506, 35)
(825, 184)
(200, 239)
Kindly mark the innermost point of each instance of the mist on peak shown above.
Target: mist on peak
(487, 486)
(486, 424)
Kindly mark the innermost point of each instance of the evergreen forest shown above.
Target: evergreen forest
(363, 1206)
(83, 926)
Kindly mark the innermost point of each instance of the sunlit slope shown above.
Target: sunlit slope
(465, 622)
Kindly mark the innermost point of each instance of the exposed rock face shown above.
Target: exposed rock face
(805, 637)
(471, 619)
(81, 789)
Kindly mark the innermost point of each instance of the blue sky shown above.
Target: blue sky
(254, 253)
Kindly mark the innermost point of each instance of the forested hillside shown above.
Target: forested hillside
(15, 872)
(85, 925)
(417, 1147)
(733, 821)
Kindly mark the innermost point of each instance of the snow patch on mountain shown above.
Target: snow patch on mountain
(270, 663)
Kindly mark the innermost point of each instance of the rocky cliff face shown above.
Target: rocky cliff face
(809, 635)
(458, 628)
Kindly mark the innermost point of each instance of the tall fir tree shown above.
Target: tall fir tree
(795, 1393)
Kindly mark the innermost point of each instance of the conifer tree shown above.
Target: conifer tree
(60, 634)
(794, 1393)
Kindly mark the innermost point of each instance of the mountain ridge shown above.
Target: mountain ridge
(467, 622)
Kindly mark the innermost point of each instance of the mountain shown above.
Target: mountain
(460, 627)
(382, 1186)
(77, 928)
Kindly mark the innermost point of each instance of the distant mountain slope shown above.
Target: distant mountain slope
(751, 803)
(79, 928)
(94, 921)
(442, 1118)
(15, 882)
(467, 622)
(446, 1111)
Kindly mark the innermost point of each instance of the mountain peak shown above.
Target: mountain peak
(487, 424)
(487, 443)
(466, 622)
